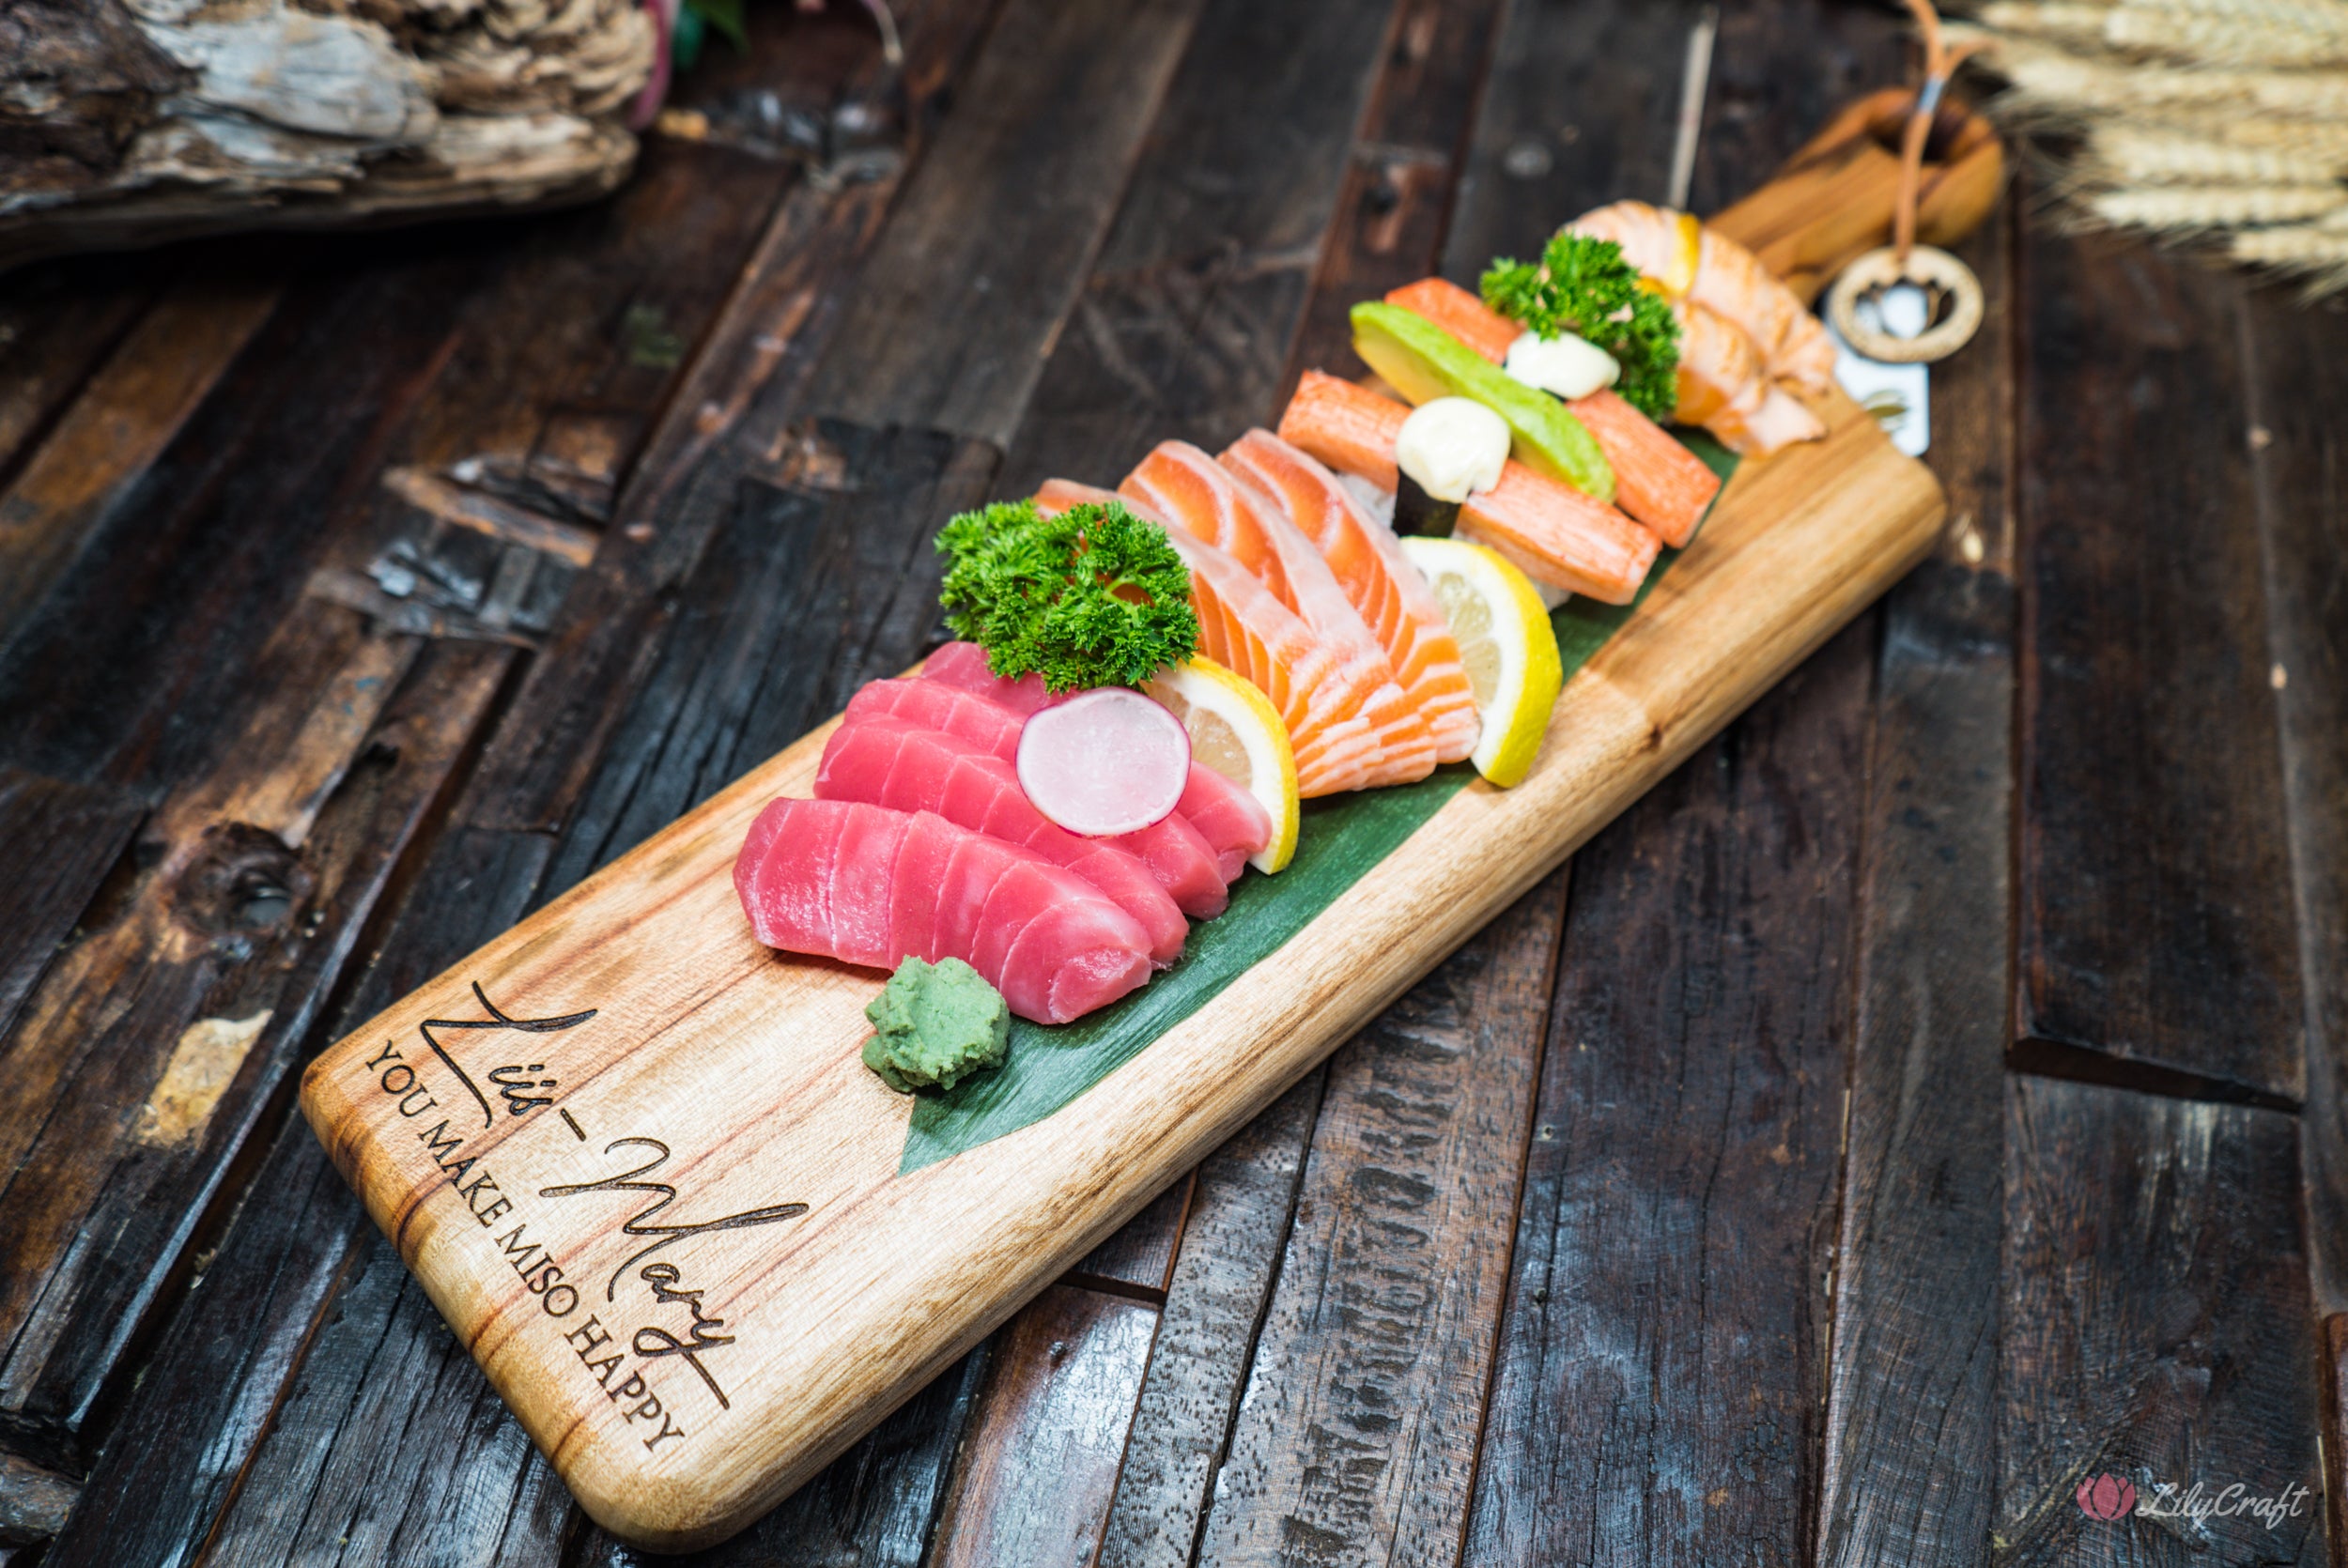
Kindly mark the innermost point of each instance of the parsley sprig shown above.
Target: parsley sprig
(1583, 286)
(1094, 596)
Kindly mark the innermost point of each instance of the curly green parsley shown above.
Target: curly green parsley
(1585, 286)
(1092, 597)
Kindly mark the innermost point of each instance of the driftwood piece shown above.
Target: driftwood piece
(127, 122)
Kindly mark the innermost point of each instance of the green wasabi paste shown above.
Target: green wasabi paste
(936, 1025)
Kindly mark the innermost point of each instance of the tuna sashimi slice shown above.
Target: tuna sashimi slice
(935, 705)
(824, 876)
(1243, 627)
(889, 761)
(1233, 821)
(1367, 562)
(964, 665)
(1185, 864)
(1223, 509)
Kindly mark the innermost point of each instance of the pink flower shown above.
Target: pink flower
(647, 105)
(2106, 1497)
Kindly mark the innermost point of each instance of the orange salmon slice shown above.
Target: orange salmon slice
(1220, 508)
(1559, 535)
(1383, 588)
(1243, 627)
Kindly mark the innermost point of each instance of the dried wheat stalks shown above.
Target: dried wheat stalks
(2156, 155)
(2221, 119)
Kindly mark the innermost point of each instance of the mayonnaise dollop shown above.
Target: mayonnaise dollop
(1452, 447)
(1566, 365)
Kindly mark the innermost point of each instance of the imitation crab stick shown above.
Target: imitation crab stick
(1558, 535)
(1657, 481)
(1245, 628)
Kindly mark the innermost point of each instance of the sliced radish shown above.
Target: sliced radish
(1105, 761)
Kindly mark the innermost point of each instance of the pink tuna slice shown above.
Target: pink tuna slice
(1188, 865)
(1233, 821)
(964, 665)
(935, 705)
(1105, 761)
(888, 762)
(868, 886)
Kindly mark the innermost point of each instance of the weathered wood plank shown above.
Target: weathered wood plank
(1223, 1281)
(57, 325)
(1185, 324)
(1138, 1260)
(2155, 1329)
(1658, 1389)
(125, 417)
(979, 267)
(1356, 1440)
(67, 837)
(1910, 1417)
(876, 1506)
(34, 1502)
(2301, 490)
(1040, 1463)
(1579, 111)
(2152, 830)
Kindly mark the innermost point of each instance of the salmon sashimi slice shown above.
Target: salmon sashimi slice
(868, 886)
(1387, 591)
(1558, 535)
(964, 665)
(888, 762)
(1657, 481)
(1186, 863)
(1243, 627)
(1223, 508)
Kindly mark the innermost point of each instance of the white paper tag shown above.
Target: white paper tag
(1899, 395)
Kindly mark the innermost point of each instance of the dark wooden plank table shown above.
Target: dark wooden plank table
(1926, 1101)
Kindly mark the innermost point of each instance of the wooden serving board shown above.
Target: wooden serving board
(635, 1161)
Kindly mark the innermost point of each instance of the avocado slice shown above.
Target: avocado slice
(1422, 361)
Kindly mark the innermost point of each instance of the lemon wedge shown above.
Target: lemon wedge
(1235, 730)
(1506, 642)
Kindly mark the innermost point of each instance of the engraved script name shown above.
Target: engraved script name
(532, 1252)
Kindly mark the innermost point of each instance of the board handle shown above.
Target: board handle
(1835, 199)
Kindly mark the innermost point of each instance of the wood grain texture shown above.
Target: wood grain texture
(68, 836)
(1183, 326)
(1138, 1259)
(2302, 499)
(127, 414)
(1911, 1412)
(1001, 226)
(1231, 1249)
(2155, 1327)
(1826, 528)
(1658, 1388)
(1356, 1441)
(2153, 828)
(1040, 1464)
